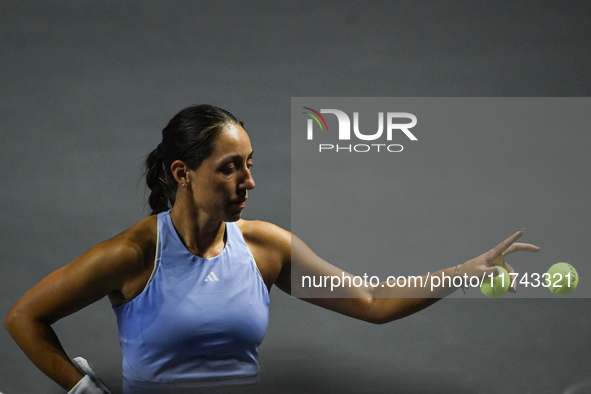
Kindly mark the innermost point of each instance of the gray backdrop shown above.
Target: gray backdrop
(480, 169)
(87, 86)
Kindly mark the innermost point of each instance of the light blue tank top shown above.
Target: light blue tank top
(199, 321)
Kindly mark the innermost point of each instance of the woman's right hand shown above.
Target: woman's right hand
(90, 383)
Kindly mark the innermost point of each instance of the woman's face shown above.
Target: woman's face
(221, 183)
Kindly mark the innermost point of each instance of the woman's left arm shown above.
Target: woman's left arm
(293, 263)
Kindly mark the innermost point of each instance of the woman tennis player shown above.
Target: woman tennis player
(190, 283)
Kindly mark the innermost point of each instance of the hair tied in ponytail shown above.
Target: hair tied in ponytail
(189, 136)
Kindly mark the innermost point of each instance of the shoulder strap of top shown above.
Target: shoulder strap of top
(160, 222)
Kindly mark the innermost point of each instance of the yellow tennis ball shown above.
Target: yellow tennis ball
(562, 278)
(497, 285)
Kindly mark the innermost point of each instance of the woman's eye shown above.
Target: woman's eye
(229, 170)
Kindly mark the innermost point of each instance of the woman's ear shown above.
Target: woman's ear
(179, 171)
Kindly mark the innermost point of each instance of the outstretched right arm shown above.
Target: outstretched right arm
(111, 267)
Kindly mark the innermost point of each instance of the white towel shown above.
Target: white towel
(89, 384)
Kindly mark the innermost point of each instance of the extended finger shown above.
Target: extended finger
(512, 286)
(503, 246)
(519, 247)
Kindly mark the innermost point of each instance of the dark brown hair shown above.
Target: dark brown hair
(189, 136)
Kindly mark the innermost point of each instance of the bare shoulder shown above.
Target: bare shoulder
(130, 256)
(263, 233)
(127, 247)
(140, 238)
(270, 246)
(116, 267)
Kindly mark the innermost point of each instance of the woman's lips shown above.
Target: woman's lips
(239, 203)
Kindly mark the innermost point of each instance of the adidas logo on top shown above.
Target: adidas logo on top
(211, 277)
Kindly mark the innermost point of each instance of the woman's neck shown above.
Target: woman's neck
(202, 236)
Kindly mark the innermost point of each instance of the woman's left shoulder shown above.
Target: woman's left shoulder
(271, 247)
(262, 233)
